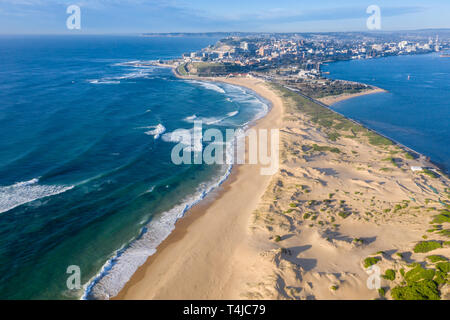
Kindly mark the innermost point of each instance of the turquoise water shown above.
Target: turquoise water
(86, 177)
(414, 111)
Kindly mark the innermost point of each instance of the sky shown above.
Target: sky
(137, 16)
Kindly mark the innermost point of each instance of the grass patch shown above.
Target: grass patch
(429, 173)
(426, 246)
(436, 258)
(442, 217)
(333, 136)
(409, 156)
(418, 273)
(423, 290)
(443, 267)
(370, 261)
(344, 214)
(440, 278)
(389, 275)
(377, 140)
(316, 147)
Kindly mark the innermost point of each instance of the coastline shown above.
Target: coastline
(329, 100)
(245, 238)
(216, 225)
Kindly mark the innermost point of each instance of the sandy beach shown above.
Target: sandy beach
(201, 259)
(333, 99)
(344, 199)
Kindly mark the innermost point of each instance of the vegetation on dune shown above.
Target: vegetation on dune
(423, 290)
(370, 261)
(419, 273)
(181, 69)
(389, 275)
(376, 140)
(426, 246)
(443, 267)
(442, 217)
(409, 156)
(334, 288)
(316, 147)
(208, 69)
(436, 258)
(344, 214)
(419, 285)
(440, 278)
(429, 173)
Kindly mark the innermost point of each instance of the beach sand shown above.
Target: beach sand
(340, 196)
(203, 257)
(333, 99)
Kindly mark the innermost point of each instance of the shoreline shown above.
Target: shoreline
(242, 189)
(330, 100)
(216, 251)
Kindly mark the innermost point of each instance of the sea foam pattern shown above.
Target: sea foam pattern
(26, 191)
(119, 269)
(116, 272)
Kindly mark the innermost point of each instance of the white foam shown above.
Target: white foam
(207, 85)
(116, 272)
(185, 137)
(27, 191)
(210, 120)
(232, 114)
(156, 131)
(103, 81)
(119, 269)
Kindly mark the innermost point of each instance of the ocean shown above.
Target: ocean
(86, 177)
(416, 109)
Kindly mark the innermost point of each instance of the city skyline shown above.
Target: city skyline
(138, 16)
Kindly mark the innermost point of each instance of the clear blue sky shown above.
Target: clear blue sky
(130, 16)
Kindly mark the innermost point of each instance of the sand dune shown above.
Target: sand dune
(304, 233)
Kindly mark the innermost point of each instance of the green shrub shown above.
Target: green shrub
(440, 277)
(382, 292)
(277, 238)
(426, 246)
(423, 290)
(370, 261)
(436, 258)
(334, 288)
(418, 273)
(389, 275)
(443, 266)
(344, 214)
(429, 173)
(445, 232)
(441, 218)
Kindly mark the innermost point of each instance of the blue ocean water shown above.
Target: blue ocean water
(416, 109)
(86, 177)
